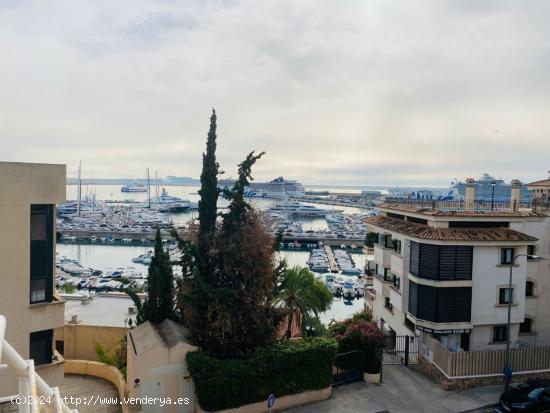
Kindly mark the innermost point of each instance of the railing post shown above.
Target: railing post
(406, 351)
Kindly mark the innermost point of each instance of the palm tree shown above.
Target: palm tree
(301, 294)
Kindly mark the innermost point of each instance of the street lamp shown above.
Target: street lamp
(493, 184)
(507, 367)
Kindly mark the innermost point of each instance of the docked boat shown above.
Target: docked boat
(144, 258)
(168, 203)
(298, 209)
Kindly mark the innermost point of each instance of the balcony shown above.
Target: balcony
(46, 316)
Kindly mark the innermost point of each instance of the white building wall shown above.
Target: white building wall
(487, 277)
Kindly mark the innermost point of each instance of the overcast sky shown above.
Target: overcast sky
(338, 92)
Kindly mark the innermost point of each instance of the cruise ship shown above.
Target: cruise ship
(133, 188)
(278, 187)
(484, 189)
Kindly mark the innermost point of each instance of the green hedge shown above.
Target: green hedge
(286, 368)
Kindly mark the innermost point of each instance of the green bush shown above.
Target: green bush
(366, 337)
(358, 333)
(371, 238)
(286, 368)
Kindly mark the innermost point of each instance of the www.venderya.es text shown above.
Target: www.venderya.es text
(99, 400)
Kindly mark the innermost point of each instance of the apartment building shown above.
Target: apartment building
(442, 270)
(28, 194)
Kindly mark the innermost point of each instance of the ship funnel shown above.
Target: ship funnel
(470, 193)
(515, 196)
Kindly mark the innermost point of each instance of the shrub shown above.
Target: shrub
(371, 238)
(359, 333)
(366, 337)
(286, 368)
(337, 328)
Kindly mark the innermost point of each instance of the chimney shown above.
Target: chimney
(515, 196)
(470, 193)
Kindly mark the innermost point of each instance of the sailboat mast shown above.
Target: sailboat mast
(148, 189)
(79, 188)
(157, 189)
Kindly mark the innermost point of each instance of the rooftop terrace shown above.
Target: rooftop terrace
(468, 209)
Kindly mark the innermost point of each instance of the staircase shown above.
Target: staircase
(31, 385)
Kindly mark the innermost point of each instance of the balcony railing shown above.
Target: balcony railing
(30, 383)
(477, 206)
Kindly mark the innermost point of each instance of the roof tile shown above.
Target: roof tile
(423, 231)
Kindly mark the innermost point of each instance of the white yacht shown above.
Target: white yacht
(298, 209)
(169, 203)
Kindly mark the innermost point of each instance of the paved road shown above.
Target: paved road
(86, 387)
(404, 390)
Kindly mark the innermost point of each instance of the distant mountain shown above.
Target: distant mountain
(181, 180)
(169, 180)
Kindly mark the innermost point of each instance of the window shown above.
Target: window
(384, 240)
(396, 281)
(387, 303)
(40, 349)
(529, 289)
(530, 251)
(504, 295)
(440, 305)
(441, 262)
(499, 334)
(381, 272)
(397, 246)
(527, 326)
(41, 253)
(60, 346)
(506, 256)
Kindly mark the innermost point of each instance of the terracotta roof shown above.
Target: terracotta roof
(544, 182)
(423, 231)
(425, 209)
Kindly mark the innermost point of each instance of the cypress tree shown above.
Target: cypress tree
(209, 191)
(229, 281)
(159, 303)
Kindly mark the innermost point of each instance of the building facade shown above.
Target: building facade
(442, 270)
(28, 195)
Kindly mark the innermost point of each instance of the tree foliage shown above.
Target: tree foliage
(371, 238)
(228, 268)
(158, 305)
(301, 295)
(114, 356)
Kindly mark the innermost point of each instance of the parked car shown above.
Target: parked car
(530, 397)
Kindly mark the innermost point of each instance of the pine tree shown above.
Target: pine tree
(159, 302)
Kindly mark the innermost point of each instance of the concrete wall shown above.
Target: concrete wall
(539, 272)
(282, 403)
(165, 367)
(487, 277)
(33, 184)
(79, 339)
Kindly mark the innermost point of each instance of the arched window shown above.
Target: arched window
(529, 289)
(526, 326)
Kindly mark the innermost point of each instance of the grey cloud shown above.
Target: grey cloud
(359, 92)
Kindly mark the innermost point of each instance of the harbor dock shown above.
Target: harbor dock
(82, 235)
(331, 260)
